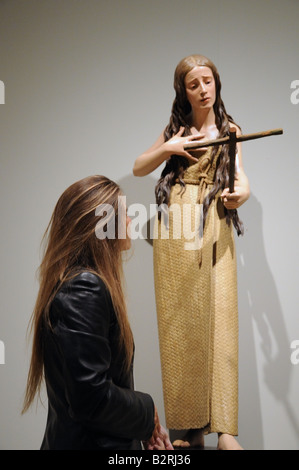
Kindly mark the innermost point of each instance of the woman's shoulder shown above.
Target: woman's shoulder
(83, 284)
(83, 295)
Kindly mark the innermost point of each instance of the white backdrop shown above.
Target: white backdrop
(88, 87)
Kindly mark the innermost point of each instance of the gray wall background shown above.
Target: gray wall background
(88, 87)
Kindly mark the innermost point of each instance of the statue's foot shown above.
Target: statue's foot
(228, 442)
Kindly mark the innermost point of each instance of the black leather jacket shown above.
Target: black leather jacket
(91, 402)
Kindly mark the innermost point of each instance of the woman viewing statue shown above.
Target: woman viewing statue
(82, 341)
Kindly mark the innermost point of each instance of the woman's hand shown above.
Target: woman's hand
(159, 439)
(159, 442)
(240, 195)
(232, 200)
(175, 145)
(161, 151)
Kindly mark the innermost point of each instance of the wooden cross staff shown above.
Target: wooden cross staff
(231, 140)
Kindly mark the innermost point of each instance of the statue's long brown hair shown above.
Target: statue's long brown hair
(176, 165)
(71, 246)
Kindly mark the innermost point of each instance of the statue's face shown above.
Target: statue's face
(200, 88)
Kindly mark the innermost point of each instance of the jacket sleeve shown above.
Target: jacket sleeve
(81, 333)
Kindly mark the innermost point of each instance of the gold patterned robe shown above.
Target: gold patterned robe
(197, 309)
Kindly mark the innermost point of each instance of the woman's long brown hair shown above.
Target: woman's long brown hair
(176, 165)
(71, 246)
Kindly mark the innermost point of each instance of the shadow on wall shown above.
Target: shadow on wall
(260, 310)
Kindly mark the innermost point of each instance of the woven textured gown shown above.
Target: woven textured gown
(197, 309)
